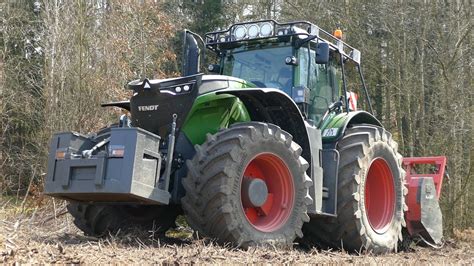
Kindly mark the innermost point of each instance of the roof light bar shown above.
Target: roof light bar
(240, 32)
(259, 30)
(271, 29)
(266, 29)
(253, 31)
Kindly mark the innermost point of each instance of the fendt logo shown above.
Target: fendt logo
(148, 108)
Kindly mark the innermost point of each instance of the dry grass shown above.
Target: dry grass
(36, 235)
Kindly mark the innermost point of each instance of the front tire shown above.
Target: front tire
(247, 185)
(371, 192)
(100, 220)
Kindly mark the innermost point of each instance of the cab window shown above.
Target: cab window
(323, 80)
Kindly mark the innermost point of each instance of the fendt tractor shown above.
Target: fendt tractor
(267, 148)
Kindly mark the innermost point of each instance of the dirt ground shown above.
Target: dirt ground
(37, 235)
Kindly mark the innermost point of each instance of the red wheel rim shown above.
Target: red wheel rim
(379, 195)
(274, 213)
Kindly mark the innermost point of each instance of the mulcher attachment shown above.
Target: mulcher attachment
(423, 216)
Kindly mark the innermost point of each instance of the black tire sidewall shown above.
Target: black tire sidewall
(100, 219)
(390, 236)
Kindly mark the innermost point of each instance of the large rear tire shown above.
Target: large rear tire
(247, 185)
(100, 220)
(371, 192)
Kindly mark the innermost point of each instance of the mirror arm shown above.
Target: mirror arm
(300, 42)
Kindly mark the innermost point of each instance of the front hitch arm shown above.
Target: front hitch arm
(169, 156)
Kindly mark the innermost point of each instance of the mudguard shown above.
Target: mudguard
(276, 107)
(335, 125)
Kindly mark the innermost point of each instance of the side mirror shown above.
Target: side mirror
(322, 53)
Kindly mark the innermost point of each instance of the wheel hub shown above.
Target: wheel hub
(267, 192)
(254, 192)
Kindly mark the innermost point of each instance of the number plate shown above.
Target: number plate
(330, 132)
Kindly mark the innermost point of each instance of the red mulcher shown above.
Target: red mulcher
(423, 216)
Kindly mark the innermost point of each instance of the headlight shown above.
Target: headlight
(253, 31)
(282, 32)
(221, 38)
(240, 32)
(266, 29)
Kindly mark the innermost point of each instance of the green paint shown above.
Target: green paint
(211, 112)
(338, 122)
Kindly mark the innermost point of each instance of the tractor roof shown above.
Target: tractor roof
(270, 29)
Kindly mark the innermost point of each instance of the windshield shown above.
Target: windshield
(262, 64)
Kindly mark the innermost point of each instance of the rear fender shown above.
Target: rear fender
(335, 125)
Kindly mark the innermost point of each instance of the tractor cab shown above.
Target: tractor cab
(291, 57)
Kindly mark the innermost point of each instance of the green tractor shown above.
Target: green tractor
(269, 148)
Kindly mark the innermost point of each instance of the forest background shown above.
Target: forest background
(60, 59)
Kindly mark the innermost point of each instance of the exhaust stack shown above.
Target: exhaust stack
(191, 54)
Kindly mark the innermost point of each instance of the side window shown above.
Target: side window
(302, 69)
(326, 87)
(307, 71)
(355, 87)
(335, 74)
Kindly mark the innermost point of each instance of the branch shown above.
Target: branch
(440, 62)
(458, 44)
